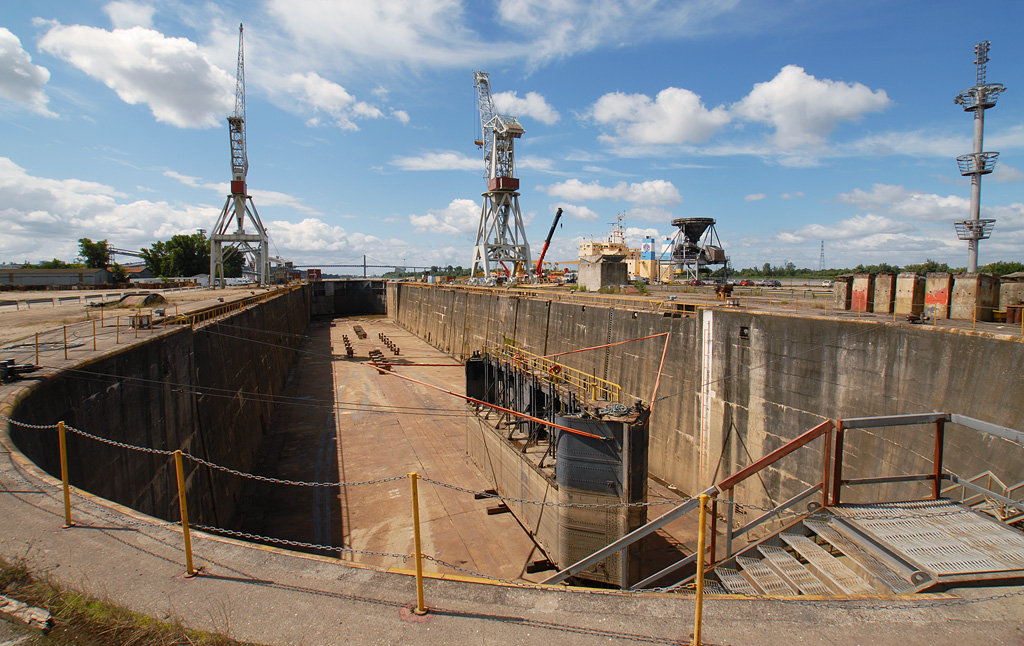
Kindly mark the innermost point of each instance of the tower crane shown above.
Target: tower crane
(239, 207)
(500, 236)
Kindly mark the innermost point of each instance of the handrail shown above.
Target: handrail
(589, 387)
(825, 428)
(203, 315)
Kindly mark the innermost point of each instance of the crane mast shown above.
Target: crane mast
(239, 207)
(501, 237)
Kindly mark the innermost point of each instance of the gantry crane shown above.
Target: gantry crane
(500, 237)
(239, 206)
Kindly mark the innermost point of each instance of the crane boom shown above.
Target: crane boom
(547, 241)
(236, 126)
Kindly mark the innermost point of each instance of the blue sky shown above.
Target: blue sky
(790, 122)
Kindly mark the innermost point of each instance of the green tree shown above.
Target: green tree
(156, 258)
(52, 264)
(188, 255)
(118, 274)
(96, 254)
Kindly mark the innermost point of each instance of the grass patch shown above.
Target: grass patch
(83, 620)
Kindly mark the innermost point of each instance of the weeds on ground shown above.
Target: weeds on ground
(82, 620)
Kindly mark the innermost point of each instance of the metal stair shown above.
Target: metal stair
(882, 548)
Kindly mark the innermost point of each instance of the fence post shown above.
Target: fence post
(701, 537)
(118, 330)
(64, 474)
(189, 571)
(37, 348)
(65, 342)
(420, 608)
(94, 336)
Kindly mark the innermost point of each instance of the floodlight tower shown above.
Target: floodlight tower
(977, 99)
(239, 207)
(500, 236)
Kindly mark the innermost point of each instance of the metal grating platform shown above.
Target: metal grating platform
(946, 538)
(826, 565)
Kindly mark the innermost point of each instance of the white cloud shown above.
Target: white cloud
(576, 211)
(675, 116)
(656, 192)
(321, 95)
(461, 217)
(44, 217)
(860, 229)
(650, 214)
(563, 27)
(261, 198)
(312, 240)
(754, 197)
(21, 81)
(896, 200)
(414, 32)
(194, 182)
(446, 32)
(805, 110)
(170, 75)
(1007, 174)
(532, 105)
(441, 160)
(125, 14)
(792, 196)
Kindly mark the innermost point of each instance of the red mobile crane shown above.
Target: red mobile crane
(544, 250)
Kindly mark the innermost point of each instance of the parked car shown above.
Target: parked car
(746, 283)
(773, 283)
(696, 283)
(826, 283)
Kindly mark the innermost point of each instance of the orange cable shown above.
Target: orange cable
(483, 403)
(607, 345)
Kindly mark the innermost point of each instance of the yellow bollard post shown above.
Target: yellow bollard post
(94, 336)
(420, 608)
(701, 541)
(183, 505)
(64, 474)
(65, 342)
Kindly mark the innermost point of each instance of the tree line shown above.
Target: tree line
(181, 255)
(789, 270)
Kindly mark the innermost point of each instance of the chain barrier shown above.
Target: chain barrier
(24, 425)
(550, 503)
(298, 483)
(479, 494)
(291, 543)
(123, 445)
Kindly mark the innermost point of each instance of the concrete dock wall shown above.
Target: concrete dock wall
(738, 384)
(184, 389)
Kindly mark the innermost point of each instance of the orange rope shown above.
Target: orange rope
(607, 345)
(494, 406)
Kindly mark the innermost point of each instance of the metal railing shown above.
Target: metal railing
(588, 387)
